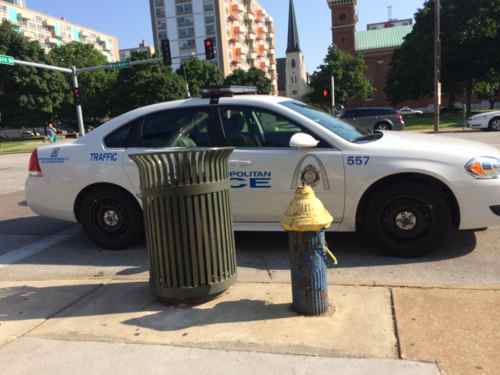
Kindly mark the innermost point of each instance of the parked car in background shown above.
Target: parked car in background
(485, 121)
(410, 111)
(374, 118)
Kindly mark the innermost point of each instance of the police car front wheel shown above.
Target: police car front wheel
(408, 220)
(111, 218)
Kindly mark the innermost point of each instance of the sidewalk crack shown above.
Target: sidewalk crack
(395, 324)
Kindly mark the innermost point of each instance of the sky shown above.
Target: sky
(130, 20)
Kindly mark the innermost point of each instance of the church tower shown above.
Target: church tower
(344, 20)
(296, 73)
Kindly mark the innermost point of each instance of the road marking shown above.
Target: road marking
(15, 256)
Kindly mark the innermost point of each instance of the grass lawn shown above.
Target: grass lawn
(426, 121)
(15, 147)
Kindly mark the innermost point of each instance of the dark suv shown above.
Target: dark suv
(374, 118)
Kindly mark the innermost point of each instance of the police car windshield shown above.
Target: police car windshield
(341, 128)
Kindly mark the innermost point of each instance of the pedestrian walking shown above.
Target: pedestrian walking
(51, 133)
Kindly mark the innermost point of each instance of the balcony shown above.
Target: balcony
(249, 17)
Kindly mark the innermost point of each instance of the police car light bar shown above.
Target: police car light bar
(230, 91)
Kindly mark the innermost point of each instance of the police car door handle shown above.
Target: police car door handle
(240, 162)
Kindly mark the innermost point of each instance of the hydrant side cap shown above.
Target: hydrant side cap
(306, 213)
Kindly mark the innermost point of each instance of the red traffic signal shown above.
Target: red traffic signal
(210, 49)
(326, 93)
(77, 95)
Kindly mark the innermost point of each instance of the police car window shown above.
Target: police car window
(333, 124)
(240, 128)
(119, 138)
(176, 128)
(252, 127)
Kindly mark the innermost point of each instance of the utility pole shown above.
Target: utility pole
(333, 95)
(78, 101)
(437, 64)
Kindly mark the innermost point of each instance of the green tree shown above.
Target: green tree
(350, 82)
(95, 87)
(143, 85)
(489, 89)
(470, 37)
(200, 74)
(252, 77)
(28, 96)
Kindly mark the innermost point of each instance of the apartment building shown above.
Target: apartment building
(242, 30)
(52, 32)
(126, 53)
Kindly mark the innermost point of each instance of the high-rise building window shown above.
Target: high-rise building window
(187, 44)
(187, 32)
(184, 8)
(185, 21)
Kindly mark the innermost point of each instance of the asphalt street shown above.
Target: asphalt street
(36, 248)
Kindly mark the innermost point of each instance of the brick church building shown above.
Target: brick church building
(377, 45)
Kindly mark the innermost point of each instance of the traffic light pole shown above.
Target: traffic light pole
(78, 101)
(437, 64)
(333, 95)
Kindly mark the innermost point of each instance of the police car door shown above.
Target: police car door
(265, 170)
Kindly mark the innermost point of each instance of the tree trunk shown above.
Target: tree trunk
(452, 96)
(469, 97)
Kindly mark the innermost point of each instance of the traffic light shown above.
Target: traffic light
(326, 93)
(77, 95)
(165, 50)
(209, 49)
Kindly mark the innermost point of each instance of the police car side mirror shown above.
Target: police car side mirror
(303, 140)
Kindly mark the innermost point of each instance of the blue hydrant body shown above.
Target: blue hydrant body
(309, 272)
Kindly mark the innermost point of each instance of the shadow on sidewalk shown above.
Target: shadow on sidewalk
(91, 300)
(176, 319)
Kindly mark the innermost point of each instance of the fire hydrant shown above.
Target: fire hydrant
(306, 220)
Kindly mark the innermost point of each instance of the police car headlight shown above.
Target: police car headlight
(484, 168)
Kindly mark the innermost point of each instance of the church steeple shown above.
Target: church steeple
(293, 33)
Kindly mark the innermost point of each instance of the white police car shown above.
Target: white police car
(404, 191)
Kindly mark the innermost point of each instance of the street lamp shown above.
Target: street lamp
(437, 63)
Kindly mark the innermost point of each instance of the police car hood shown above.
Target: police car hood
(431, 146)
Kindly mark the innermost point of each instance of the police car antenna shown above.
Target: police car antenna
(215, 93)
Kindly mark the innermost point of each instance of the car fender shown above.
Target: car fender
(359, 181)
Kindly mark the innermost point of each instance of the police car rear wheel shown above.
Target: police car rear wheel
(408, 220)
(111, 218)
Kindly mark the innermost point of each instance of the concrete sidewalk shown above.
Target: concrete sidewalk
(96, 326)
(51, 357)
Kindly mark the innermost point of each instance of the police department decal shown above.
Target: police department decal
(310, 176)
(313, 174)
(54, 157)
(251, 179)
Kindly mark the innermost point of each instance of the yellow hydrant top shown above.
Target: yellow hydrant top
(306, 213)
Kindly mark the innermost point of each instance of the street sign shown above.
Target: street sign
(6, 60)
(119, 65)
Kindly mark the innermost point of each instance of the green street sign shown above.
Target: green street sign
(6, 60)
(119, 65)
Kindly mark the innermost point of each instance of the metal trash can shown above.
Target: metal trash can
(187, 213)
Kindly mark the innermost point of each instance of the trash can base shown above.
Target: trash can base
(191, 296)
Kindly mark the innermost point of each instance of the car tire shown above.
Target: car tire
(382, 126)
(494, 124)
(408, 220)
(112, 218)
